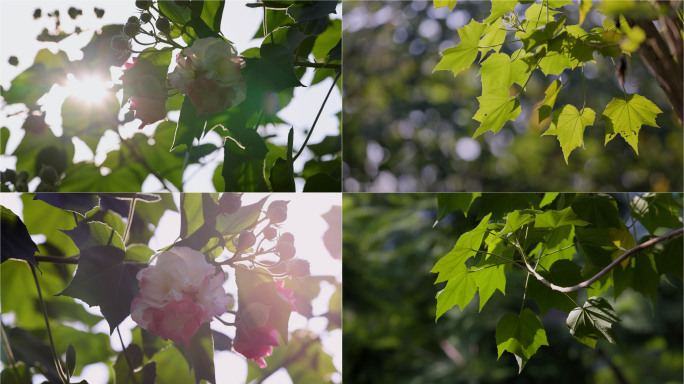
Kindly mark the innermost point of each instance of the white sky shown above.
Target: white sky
(304, 222)
(239, 24)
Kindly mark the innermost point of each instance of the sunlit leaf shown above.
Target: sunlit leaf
(568, 126)
(460, 57)
(496, 108)
(625, 118)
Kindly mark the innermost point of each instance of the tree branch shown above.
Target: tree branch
(607, 269)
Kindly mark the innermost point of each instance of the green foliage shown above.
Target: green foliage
(557, 249)
(293, 32)
(553, 47)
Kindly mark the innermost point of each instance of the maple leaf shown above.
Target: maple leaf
(520, 335)
(593, 321)
(445, 3)
(499, 71)
(625, 117)
(496, 108)
(569, 126)
(500, 8)
(547, 104)
(460, 57)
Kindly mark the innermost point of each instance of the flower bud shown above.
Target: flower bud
(277, 211)
(145, 17)
(120, 43)
(286, 251)
(13, 60)
(245, 241)
(141, 4)
(270, 233)
(286, 237)
(131, 29)
(163, 25)
(20, 187)
(300, 268)
(9, 175)
(132, 19)
(48, 175)
(230, 203)
(255, 315)
(37, 13)
(99, 12)
(74, 12)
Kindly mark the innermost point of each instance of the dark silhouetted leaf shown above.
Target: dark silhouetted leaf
(16, 241)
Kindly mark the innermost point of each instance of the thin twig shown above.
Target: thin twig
(128, 360)
(129, 222)
(337, 77)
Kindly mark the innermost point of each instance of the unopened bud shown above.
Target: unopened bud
(245, 241)
(9, 175)
(131, 29)
(120, 43)
(285, 251)
(230, 203)
(163, 25)
(23, 176)
(35, 124)
(145, 17)
(143, 4)
(300, 268)
(270, 233)
(48, 175)
(277, 211)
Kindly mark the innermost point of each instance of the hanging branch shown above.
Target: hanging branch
(607, 269)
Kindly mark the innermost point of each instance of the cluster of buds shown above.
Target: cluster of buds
(266, 245)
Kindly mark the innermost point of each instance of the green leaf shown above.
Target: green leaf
(243, 163)
(175, 369)
(657, 210)
(460, 57)
(640, 274)
(625, 117)
(568, 126)
(48, 69)
(500, 8)
(520, 335)
(460, 288)
(496, 108)
(200, 355)
(102, 277)
(489, 273)
(80, 203)
(499, 71)
(599, 209)
(559, 246)
(445, 3)
(33, 351)
(593, 321)
(667, 258)
(282, 173)
(499, 204)
(190, 126)
(70, 359)
(515, 220)
(450, 202)
(538, 15)
(322, 182)
(546, 107)
(16, 241)
(212, 13)
(554, 219)
(548, 198)
(558, 3)
(564, 273)
(493, 38)
(4, 138)
(536, 37)
(125, 374)
(556, 59)
(311, 11)
(584, 8)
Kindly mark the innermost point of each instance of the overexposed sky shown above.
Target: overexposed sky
(19, 30)
(304, 222)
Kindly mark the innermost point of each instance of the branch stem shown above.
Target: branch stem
(610, 267)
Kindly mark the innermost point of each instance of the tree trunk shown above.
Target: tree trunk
(661, 51)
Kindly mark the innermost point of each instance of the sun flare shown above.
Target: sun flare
(91, 90)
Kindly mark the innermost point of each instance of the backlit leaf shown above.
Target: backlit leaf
(555, 219)
(460, 57)
(625, 118)
(500, 8)
(568, 126)
(546, 107)
(499, 71)
(445, 3)
(496, 108)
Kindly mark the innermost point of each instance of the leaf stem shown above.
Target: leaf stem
(129, 222)
(308, 64)
(337, 77)
(612, 265)
(58, 363)
(128, 360)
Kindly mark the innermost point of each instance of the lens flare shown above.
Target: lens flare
(91, 90)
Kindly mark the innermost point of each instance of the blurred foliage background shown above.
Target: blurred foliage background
(390, 335)
(408, 129)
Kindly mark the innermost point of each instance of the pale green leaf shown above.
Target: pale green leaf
(496, 108)
(460, 57)
(494, 37)
(538, 15)
(500, 8)
(625, 117)
(554, 219)
(459, 291)
(445, 3)
(568, 126)
(499, 71)
(515, 220)
(584, 8)
(549, 101)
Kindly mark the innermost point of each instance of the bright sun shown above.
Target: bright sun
(91, 90)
